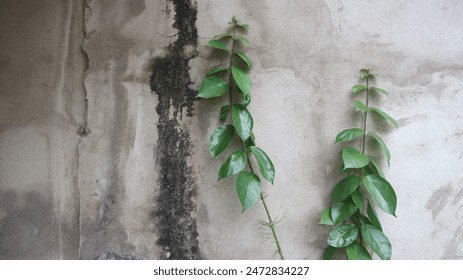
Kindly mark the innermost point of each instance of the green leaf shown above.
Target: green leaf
(349, 134)
(345, 187)
(379, 90)
(343, 235)
(357, 198)
(224, 35)
(361, 220)
(248, 188)
(216, 70)
(246, 100)
(243, 25)
(243, 40)
(224, 112)
(377, 167)
(212, 87)
(329, 253)
(359, 106)
(265, 164)
(352, 158)
(377, 241)
(251, 141)
(356, 251)
(221, 139)
(385, 116)
(218, 45)
(234, 164)
(373, 217)
(242, 79)
(245, 58)
(358, 88)
(341, 211)
(381, 192)
(242, 121)
(383, 147)
(326, 217)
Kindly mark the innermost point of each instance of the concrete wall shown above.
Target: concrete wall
(103, 147)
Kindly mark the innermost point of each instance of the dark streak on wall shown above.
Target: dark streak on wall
(171, 81)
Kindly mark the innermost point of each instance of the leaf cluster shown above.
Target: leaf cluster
(355, 221)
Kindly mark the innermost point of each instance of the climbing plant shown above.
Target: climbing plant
(234, 79)
(353, 215)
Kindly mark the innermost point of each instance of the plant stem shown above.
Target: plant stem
(270, 223)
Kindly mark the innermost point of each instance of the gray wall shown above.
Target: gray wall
(103, 147)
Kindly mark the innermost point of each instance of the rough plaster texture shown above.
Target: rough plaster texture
(103, 151)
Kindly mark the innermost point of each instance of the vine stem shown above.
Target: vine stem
(270, 223)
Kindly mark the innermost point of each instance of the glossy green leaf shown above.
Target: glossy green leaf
(345, 187)
(242, 39)
(242, 120)
(242, 79)
(373, 217)
(218, 45)
(326, 217)
(245, 58)
(216, 70)
(341, 211)
(377, 241)
(329, 253)
(381, 192)
(358, 88)
(357, 198)
(384, 116)
(246, 100)
(361, 220)
(379, 90)
(265, 164)
(221, 139)
(353, 158)
(377, 167)
(220, 36)
(359, 106)
(383, 147)
(248, 189)
(356, 251)
(224, 112)
(349, 134)
(234, 164)
(251, 141)
(212, 87)
(342, 235)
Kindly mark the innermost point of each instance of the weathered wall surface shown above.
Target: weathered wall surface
(103, 147)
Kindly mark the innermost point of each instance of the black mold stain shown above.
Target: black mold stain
(171, 81)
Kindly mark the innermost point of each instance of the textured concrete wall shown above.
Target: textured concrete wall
(103, 147)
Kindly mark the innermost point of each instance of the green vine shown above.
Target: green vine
(238, 85)
(356, 224)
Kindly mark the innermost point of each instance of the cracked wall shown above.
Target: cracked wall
(103, 148)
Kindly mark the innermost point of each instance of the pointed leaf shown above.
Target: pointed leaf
(359, 106)
(329, 253)
(373, 217)
(224, 112)
(242, 79)
(377, 167)
(356, 251)
(349, 134)
(251, 141)
(377, 241)
(265, 164)
(243, 40)
(352, 158)
(243, 25)
(342, 235)
(216, 70)
(381, 192)
(383, 147)
(364, 73)
(341, 211)
(358, 88)
(242, 120)
(221, 139)
(220, 36)
(345, 187)
(361, 220)
(218, 45)
(379, 90)
(248, 189)
(212, 87)
(385, 116)
(234, 164)
(245, 58)
(358, 200)
(326, 217)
